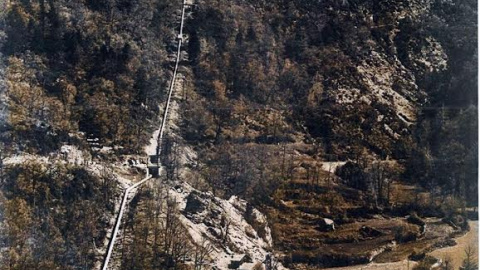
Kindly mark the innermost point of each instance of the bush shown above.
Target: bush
(353, 175)
(404, 234)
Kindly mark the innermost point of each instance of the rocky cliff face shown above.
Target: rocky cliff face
(374, 99)
(237, 232)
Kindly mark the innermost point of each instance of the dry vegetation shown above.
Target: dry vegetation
(277, 88)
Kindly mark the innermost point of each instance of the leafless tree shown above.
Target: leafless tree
(169, 157)
(381, 176)
(447, 264)
(108, 179)
(271, 262)
(202, 252)
(226, 222)
(469, 263)
(2, 169)
(175, 244)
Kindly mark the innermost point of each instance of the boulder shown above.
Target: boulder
(368, 232)
(196, 203)
(450, 242)
(456, 221)
(238, 260)
(326, 225)
(416, 256)
(415, 220)
(258, 221)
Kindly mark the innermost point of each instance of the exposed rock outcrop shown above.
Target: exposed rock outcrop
(234, 228)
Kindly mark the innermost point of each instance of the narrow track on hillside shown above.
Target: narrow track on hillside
(148, 177)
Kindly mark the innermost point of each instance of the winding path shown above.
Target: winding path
(159, 139)
(456, 254)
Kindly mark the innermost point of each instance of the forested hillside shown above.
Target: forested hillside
(351, 125)
(73, 73)
(53, 215)
(386, 79)
(95, 67)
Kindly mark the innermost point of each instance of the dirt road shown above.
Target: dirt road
(457, 252)
(402, 265)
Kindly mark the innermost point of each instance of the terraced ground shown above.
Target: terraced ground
(455, 253)
(361, 235)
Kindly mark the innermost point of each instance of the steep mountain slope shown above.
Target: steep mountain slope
(303, 131)
(78, 87)
(355, 79)
(90, 67)
(316, 61)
